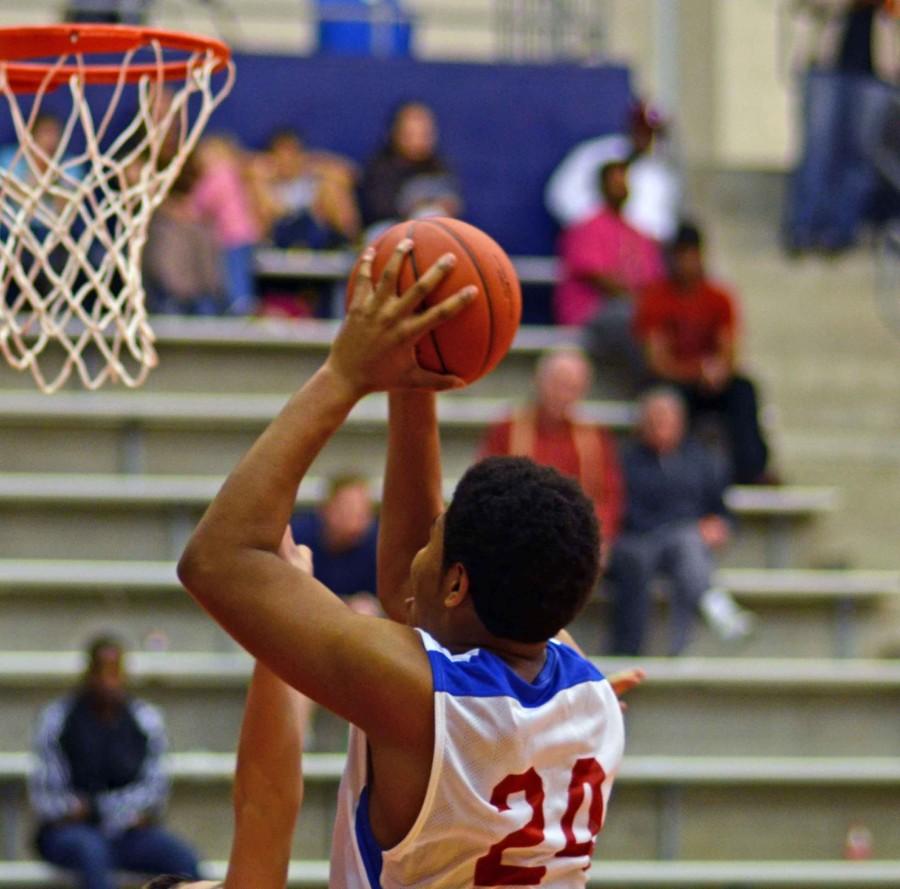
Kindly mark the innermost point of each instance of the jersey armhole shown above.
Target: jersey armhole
(437, 763)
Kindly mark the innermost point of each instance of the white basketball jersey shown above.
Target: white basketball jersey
(519, 783)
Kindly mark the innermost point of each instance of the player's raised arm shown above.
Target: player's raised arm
(412, 497)
(231, 565)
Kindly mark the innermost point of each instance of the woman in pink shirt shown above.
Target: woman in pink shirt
(221, 198)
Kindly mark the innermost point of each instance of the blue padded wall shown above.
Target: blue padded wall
(503, 127)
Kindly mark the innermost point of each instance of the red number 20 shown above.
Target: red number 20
(490, 869)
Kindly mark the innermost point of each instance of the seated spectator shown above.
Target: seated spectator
(549, 431)
(410, 154)
(606, 262)
(221, 198)
(23, 167)
(342, 534)
(689, 327)
(182, 265)
(98, 785)
(654, 193)
(305, 198)
(674, 520)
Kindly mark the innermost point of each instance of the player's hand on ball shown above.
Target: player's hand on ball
(298, 556)
(375, 347)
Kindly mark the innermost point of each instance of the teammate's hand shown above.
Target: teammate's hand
(298, 556)
(375, 347)
(623, 682)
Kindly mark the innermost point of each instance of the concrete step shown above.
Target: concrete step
(663, 807)
(57, 604)
(151, 517)
(185, 434)
(788, 874)
(799, 614)
(688, 706)
(266, 356)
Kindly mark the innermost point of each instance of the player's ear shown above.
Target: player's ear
(456, 585)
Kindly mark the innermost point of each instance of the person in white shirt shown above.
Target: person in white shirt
(571, 194)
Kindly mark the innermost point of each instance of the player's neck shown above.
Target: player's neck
(524, 658)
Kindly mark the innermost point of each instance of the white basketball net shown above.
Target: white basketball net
(73, 225)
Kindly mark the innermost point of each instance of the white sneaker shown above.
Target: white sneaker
(726, 618)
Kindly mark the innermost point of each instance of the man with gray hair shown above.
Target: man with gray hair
(550, 431)
(674, 520)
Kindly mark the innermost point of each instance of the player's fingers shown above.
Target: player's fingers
(439, 314)
(363, 289)
(424, 285)
(623, 682)
(287, 546)
(426, 379)
(304, 559)
(387, 283)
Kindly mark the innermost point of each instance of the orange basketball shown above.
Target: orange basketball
(473, 343)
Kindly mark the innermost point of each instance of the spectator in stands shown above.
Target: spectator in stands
(688, 325)
(407, 165)
(654, 188)
(606, 262)
(342, 534)
(221, 198)
(674, 520)
(305, 198)
(182, 264)
(98, 785)
(849, 58)
(550, 431)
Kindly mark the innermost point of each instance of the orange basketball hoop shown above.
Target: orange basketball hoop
(17, 45)
(74, 210)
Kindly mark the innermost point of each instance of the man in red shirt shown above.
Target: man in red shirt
(551, 433)
(689, 329)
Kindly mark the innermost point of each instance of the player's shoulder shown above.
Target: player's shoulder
(481, 673)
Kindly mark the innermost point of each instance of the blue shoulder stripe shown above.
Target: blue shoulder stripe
(483, 674)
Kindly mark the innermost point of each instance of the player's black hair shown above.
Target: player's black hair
(529, 541)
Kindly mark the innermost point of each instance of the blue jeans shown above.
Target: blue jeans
(240, 283)
(832, 188)
(676, 551)
(95, 857)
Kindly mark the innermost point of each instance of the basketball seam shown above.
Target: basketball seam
(484, 287)
(415, 268)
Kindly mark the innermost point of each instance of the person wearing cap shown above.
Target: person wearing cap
(571, 194)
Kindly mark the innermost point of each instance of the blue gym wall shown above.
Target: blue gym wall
(503, 127)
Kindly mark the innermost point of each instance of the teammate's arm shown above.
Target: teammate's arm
(412, 497)
(268, 784)
(268, 778)
(369, 671)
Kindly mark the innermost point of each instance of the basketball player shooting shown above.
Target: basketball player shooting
(484, 745)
